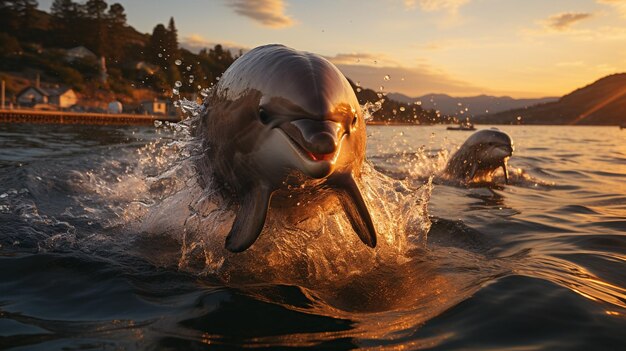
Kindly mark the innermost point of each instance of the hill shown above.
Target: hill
(600, 103)
(476, 105)
(115, 61)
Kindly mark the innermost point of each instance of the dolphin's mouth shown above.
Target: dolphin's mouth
(321, 157)
(310, 156)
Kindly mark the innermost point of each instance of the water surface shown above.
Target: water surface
(107, 241)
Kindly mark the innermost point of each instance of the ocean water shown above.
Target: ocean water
(108, 241)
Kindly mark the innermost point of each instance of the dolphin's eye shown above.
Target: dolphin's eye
(264, 116)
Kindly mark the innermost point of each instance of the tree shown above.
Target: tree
(116, 15)
(68, 21)
(62, 8)
(155, 51)
(117, 23)
(95, 11)
(25, 10)
(8, 20)
(171, 40)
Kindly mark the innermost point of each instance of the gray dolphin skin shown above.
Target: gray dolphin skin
(279, 118)
(481, 154)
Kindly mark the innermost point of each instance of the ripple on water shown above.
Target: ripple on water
(486, 266)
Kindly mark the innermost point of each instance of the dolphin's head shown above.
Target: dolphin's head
(491, 146)
(492, 149)
(481, 154)
(302, 115)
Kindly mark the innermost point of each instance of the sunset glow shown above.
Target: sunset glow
(459, 47)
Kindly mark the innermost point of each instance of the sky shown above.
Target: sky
(519, 48)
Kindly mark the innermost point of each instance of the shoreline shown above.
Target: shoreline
(63, 117)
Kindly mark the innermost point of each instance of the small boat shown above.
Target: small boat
(463, 126)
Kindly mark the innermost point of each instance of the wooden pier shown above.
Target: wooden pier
(62, 117)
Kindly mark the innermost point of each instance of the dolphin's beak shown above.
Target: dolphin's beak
(318, 139)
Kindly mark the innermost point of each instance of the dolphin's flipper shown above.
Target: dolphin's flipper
(355, 208)
(250, 219)
(506, 172)
(472, 172)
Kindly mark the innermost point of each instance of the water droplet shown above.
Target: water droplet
(178, 62)
(402, 108)
(175, 91)
(381, 88)
(188, 68)
(387, 77)
(157, 123)
(160, 54)
(178, 84)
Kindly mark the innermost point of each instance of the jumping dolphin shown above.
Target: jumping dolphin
(278, 118)
(482, 153)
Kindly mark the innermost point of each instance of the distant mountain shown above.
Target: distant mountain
(476, 105)
(600, 103)
(384, 109)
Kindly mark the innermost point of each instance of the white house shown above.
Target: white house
(31, 96)
(62, 97)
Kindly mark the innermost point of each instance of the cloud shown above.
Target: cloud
(571, 64)
(619, 5)
(373, 70)
(600, 34)
(563, 21)
(449, 7)
(436, 5)
(196, 42)
(268, 13)
(412, 81)
(364, 59)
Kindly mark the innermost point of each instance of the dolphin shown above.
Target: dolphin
(481, 154)
(280, 119)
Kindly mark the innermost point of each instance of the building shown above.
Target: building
(61, 97)
(155, 107)
(79, 52)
